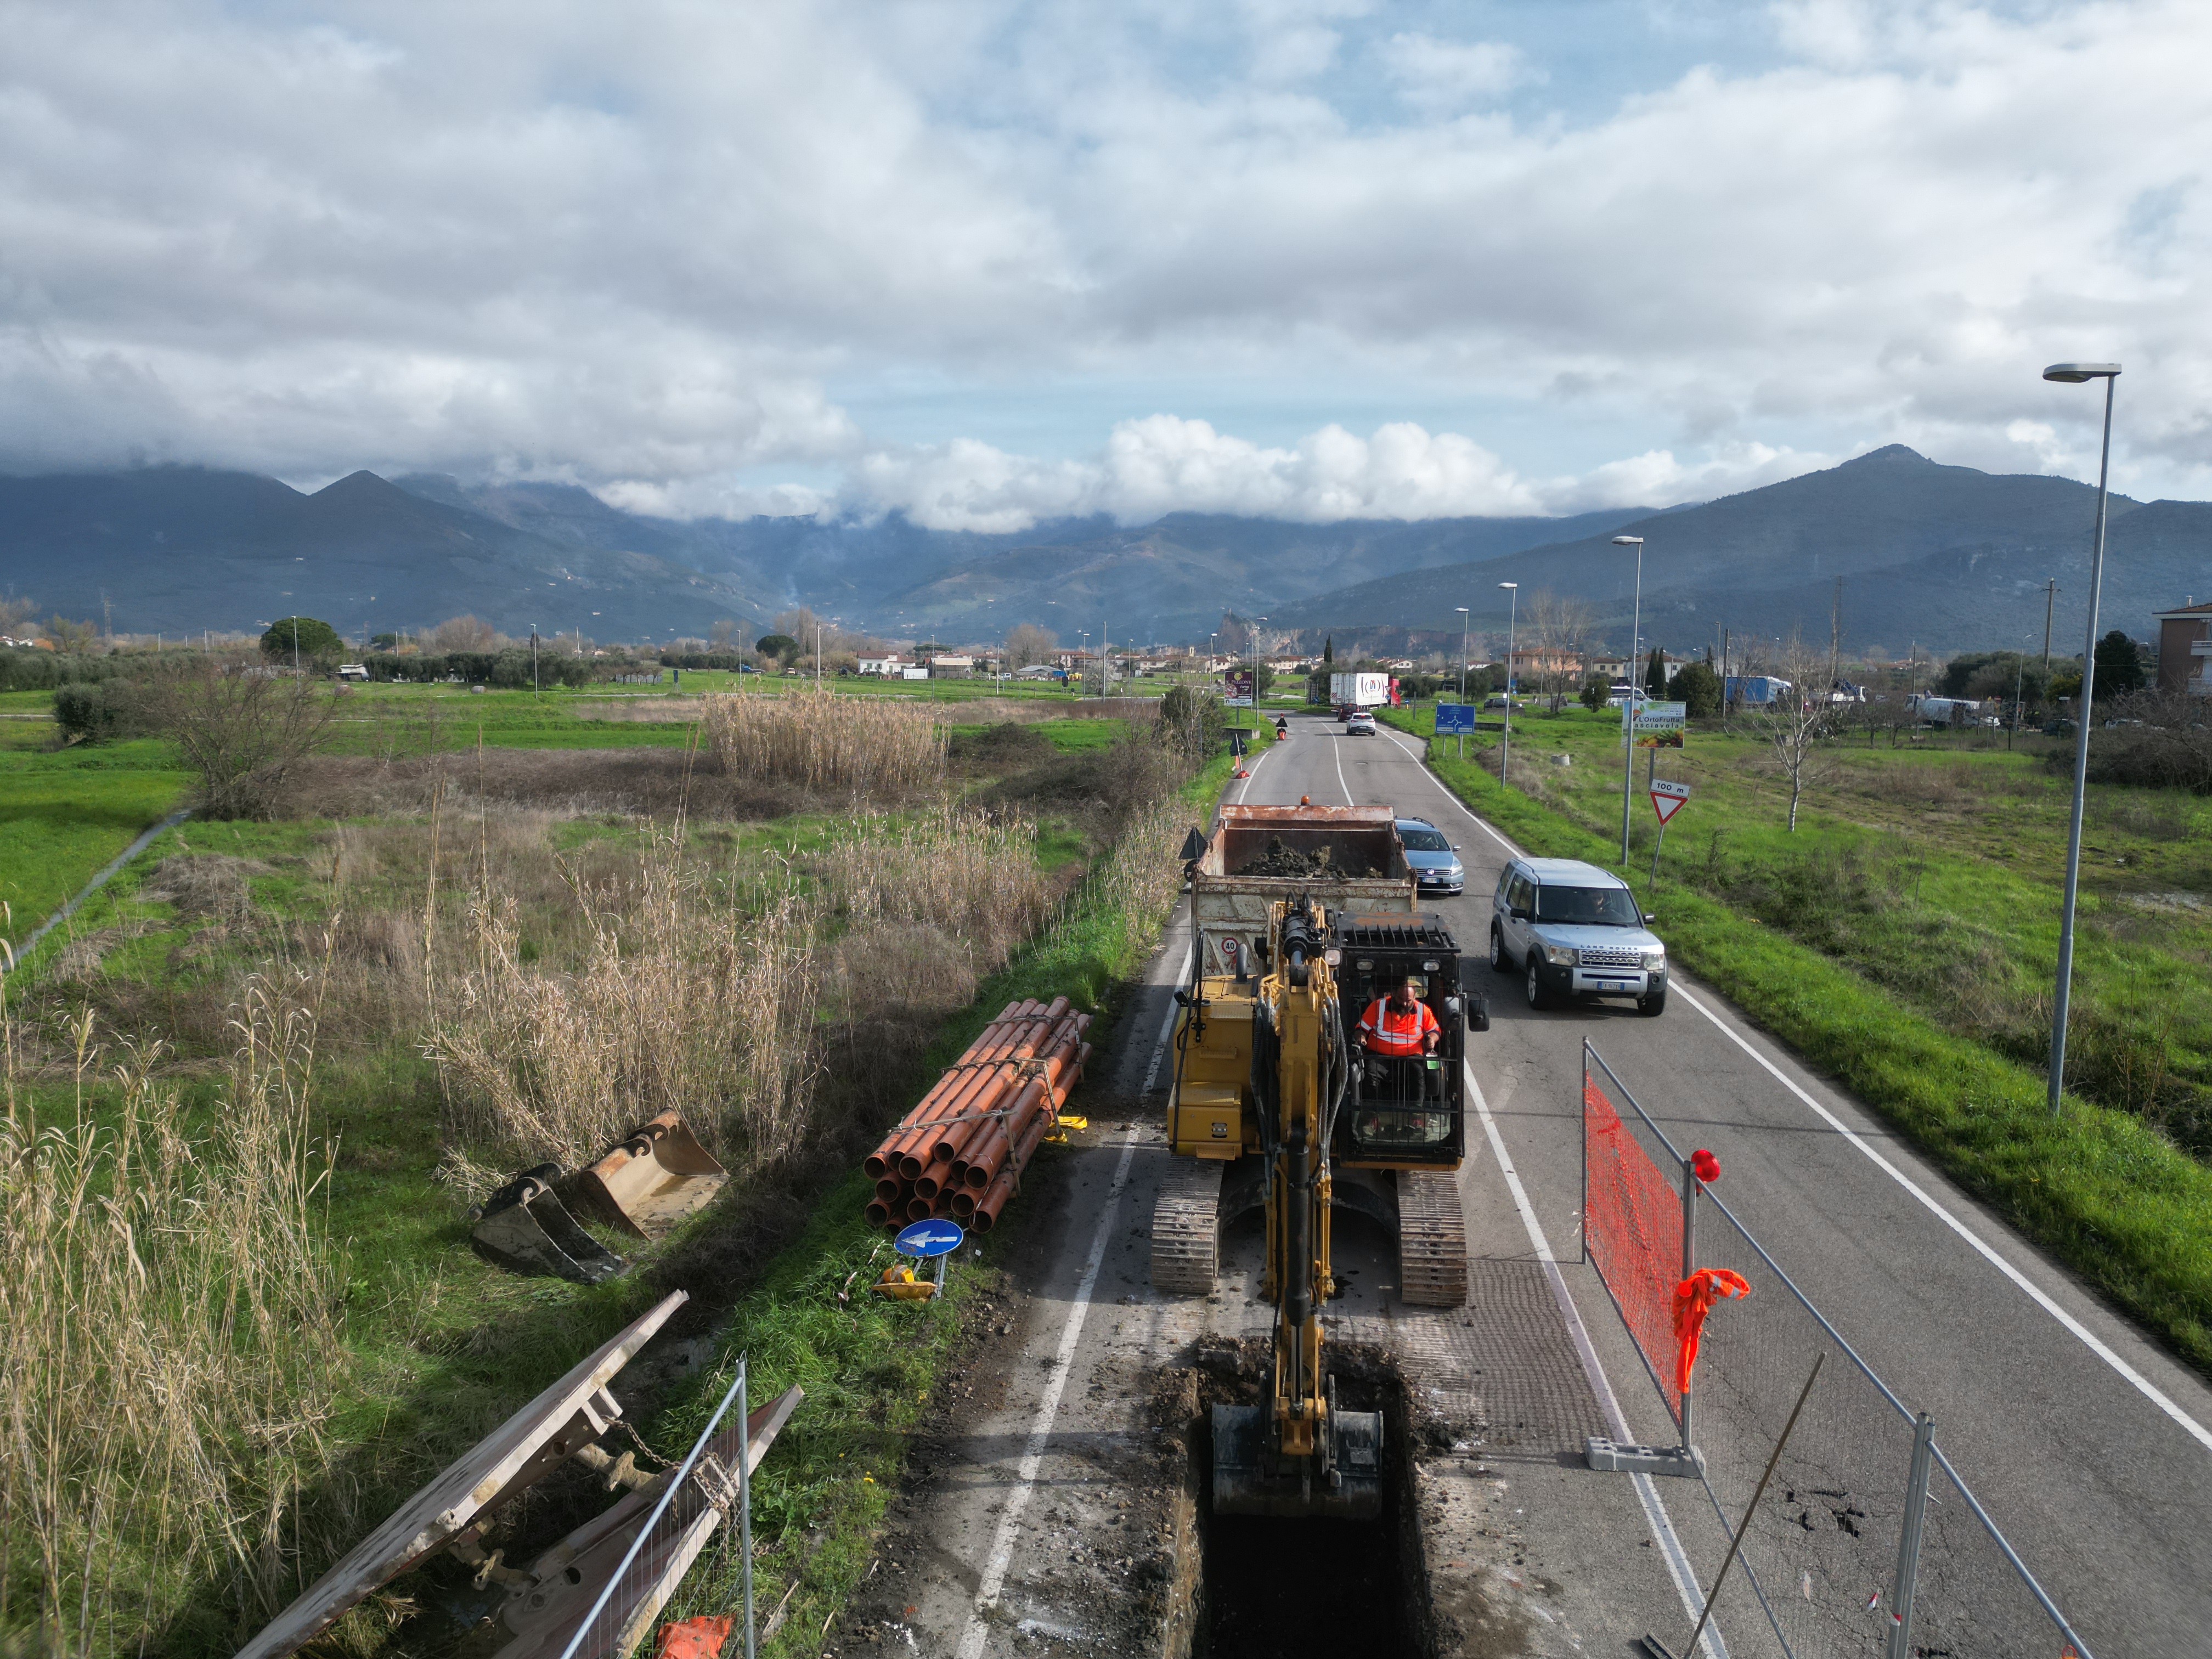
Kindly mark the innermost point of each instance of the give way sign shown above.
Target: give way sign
(1667, 798)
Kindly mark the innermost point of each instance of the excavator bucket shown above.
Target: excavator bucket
(655, 1178)
(1250, 1478)
(525, 1229)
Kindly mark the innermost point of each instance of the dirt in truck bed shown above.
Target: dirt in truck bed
(1281, 859)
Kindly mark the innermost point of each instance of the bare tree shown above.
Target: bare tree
(464, 633)
(15, 611)
(1558, 627)
(74, 637)
(242, 726)
(1798, 721)
(1027, 643)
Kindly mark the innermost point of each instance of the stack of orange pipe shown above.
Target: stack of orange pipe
(960, 1151)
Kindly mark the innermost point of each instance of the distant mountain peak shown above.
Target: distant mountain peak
(1889, 455)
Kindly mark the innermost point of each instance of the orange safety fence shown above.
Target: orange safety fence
(1633, 1224)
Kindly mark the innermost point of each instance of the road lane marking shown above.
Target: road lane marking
(1655, 1510)
(1250, 773)
(1337, 755)
(2143, 1384)
(1167, 1024)
(1002, 1543)
(2074, 1327)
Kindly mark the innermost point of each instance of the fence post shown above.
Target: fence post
(1689, 1263)
(1582, 1231)
(1908, 1541)
(745, 1497)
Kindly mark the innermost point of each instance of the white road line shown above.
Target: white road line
(2074, 1327)
(1002, 1543)
(1655, 1510)
(1167, 1024)
(1337, 755)
(2143, 1384)
(1250, 773)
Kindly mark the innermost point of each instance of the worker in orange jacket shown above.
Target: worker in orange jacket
(1397, 1027)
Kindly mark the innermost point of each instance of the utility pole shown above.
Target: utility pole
(533, 659)
(1836, 636)
(2049, 600)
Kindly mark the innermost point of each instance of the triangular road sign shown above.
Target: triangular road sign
(1667, 798)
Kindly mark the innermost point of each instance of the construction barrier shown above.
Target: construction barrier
(1868, 1540)
(960, 1152)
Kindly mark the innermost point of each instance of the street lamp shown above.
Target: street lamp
(1463, 620)
(1512, 619)
(533, 659)
(1628, 711)
(2075, 375)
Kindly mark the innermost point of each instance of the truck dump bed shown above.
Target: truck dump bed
(1350, 858)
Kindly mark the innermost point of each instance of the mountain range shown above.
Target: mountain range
(1943, 556)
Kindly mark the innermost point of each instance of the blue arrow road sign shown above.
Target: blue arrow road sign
(935, 1237)
(1455, 717)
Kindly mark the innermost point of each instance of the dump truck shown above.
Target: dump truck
(1301, 916)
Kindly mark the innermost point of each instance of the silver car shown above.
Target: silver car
(1433, 858)
(1360, 725)
(1572, 930)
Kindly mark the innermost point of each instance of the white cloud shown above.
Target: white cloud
(636, 246)
(1444, 76)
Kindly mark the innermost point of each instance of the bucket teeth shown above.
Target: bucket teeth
(525, 1229)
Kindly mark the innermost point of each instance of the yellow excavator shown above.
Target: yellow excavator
(1276, 1108)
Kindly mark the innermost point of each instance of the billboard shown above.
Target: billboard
(1660, 725)
(1239, 684)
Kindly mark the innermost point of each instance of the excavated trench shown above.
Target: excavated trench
(1291, 1589)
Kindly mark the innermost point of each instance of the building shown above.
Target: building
(951, 665)
(2185, 648)
(888, 668)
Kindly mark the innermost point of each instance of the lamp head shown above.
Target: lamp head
(1628, 541)
(1509, 584)
(2074, 373)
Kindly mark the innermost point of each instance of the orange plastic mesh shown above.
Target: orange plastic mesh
(1634, 1230)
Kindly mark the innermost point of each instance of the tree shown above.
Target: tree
(1557, 625)
(71, 638)
(302, 640)
(1190, 721)
(1328, 648)
(1028, 644)
(2119, 664)
(1596, 690)
(1698, 687)
(242, 727)
(462, 633)
(1263, 678)
(784, 648)
(1655, 675)
(1797, 723)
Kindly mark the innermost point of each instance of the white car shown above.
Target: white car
(1360, 725)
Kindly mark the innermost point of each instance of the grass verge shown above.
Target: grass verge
(2114, 1200)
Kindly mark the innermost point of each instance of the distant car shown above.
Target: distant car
(1498, 701)
(1572, 930)
(1433, 858)
(1360, 725)
(352, 671)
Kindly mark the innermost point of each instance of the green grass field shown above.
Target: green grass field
(64, 815)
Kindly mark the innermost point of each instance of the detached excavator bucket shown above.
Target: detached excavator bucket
(655, 1178)
(525, 1230)
(1248, 1478)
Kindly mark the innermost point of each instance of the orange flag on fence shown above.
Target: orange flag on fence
(693, 1638)
(1694, 1299)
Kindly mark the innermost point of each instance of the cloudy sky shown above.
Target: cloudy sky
(986, 262)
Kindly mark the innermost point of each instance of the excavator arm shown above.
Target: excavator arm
(1300, 1453)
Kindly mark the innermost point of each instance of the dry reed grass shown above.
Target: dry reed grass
(973, 877)
(691, 992)
(818, 740)
(168, 1328)
(569, 782)
(1143, 873)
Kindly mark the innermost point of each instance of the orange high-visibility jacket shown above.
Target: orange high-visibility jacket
(1387, 1032)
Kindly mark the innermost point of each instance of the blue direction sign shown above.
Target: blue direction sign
(1455, 717)
(936, 1236)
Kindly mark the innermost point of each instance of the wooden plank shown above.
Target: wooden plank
(498, 1466)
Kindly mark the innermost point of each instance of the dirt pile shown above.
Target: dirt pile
(1281, 859)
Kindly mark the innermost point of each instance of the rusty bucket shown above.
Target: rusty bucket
(658, 1175)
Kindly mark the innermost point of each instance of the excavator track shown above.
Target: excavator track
(1431, 1240)
(1187, 1228)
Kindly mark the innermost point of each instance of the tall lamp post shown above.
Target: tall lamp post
(533, 659)
(1254, 637)
(1463, 623)
(1512, 619)
(2075, 375)
(1628, 712)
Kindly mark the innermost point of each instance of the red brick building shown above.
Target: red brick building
(2185, 649)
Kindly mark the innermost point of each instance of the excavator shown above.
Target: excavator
(1302, 916)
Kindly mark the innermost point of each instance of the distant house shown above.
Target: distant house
(951, 665)
(2185, 648)
(882, 667)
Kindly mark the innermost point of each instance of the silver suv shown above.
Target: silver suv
(1571, 930)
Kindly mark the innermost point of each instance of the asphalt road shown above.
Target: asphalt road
(2097, 1476)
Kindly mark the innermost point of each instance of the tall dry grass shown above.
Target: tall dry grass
(691, 991)
(169, 1336)
(1143, 872)
(971, 877)
(818, 740)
